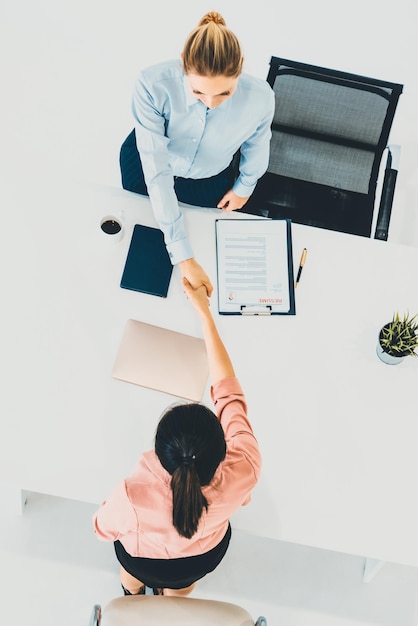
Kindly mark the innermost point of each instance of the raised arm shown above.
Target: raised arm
(220, 365)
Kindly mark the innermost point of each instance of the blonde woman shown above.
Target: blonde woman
(202, 135)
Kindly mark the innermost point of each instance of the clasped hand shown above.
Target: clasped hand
(196, 275)
(197, 295)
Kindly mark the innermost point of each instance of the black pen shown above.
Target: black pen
(301, 264)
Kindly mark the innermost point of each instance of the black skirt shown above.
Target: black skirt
(172, 573)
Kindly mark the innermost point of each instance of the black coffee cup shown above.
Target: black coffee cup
(112, 226)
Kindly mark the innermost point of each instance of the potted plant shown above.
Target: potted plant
(398, 339)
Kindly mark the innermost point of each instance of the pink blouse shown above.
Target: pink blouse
(138, 512)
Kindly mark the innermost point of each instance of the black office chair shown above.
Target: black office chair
(169, 611)
(329, 134)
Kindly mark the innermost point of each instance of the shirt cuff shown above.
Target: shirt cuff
(244, 191)
(179, 251)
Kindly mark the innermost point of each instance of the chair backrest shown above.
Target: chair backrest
(172, 611)
(329, 127)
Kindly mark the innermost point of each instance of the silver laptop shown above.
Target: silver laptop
(163, 360)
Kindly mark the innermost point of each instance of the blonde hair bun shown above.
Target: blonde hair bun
(212, 49)
(214, 17)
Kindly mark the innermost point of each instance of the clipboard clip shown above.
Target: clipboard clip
(255, 309)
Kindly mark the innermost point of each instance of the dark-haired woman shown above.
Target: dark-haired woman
(169, 520)
(202, 135)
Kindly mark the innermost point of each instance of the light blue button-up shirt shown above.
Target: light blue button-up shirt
(177, 135)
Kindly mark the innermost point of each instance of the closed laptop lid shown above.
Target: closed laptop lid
(162, 359)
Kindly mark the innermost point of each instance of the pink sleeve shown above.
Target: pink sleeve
(231, 409)
(116, 516)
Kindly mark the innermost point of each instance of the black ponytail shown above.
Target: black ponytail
(190, 444)
(188, 499)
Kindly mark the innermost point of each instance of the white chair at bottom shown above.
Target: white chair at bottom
(171, 611)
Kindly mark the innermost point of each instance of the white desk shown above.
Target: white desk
(337, 427)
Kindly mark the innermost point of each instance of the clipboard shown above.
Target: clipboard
(148, 267)
(255, 267)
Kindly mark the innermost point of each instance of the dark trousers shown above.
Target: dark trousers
(204, 192)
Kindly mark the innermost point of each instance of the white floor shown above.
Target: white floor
(54, 570)
(67, 72)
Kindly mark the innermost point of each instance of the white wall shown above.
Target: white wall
(68, 67)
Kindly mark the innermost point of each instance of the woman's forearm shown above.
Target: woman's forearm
(220, 365)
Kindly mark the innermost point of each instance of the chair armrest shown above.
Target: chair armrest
(388, 190)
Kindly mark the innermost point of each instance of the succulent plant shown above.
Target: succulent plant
(400, 336)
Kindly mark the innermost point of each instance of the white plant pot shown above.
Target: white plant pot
(388, 358)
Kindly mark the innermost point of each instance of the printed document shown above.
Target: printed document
(255, 270)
